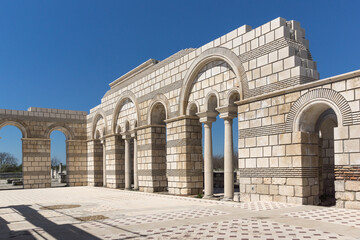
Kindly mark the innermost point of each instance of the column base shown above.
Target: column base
(209, 197)
(227, 199)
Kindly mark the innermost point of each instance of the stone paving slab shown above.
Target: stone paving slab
(137, 215)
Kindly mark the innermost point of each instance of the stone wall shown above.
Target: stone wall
(36, 125)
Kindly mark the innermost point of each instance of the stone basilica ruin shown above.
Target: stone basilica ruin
(299, 136)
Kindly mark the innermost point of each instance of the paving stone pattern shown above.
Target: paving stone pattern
(138, 215)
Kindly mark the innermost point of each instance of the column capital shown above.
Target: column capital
(126, 135)
(207, 117)
(227, 112)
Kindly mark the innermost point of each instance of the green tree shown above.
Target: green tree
(8, 163)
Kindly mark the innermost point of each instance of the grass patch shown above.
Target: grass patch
(91, 218)
(200, 195)
(56, 207)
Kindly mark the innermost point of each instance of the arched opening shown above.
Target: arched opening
(11, 162)
(59, 164)
(318, 120)
(158, 142)
(99, 160)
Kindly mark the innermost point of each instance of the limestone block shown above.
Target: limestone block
(280, 181)
(302, 191)
(341, 159)
(278, 198)
(352, 145)
(244, 197)
(354, 131)
(352, 186)
(278, 150)
(354, 158)
(341, 133)
(297, 200)
(285, 138)
(256, 180)
(339, 186)
(254, 197)
(352, 204)
(274, 189)
(340, 204)
(295, 181)
(251, 188)
(347, 196)
(286, 190)
(262, 189)
(267, 180)
(357, 196)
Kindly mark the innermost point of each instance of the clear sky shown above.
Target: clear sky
(63, 54)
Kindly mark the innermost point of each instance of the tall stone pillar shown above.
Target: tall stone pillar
(228, 114)
(114, 161)
(208, 118)
(184, 155)
(76, 163)
(104, 162)
(127, 162)
(36, 163)
(136, 180)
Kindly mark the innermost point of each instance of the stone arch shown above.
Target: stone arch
(20, 125)
(62, 128)
(232, 96)
(193, 108)
(159, 98)
(100, 113)
(212, 54)
(211, 95)
(316, 102)
(126, 95)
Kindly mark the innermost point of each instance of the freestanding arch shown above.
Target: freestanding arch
(212, 54)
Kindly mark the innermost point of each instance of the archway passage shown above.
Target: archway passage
(59, 164)
(11, 162)
(318, 120)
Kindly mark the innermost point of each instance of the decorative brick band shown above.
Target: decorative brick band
(262, 131)
(343, 172)
(281, 172)
(323, 93)
(152, 172)
(184, 172)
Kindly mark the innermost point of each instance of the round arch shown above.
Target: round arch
(62, 128)
(309, 107)
(21, 126)
(209, 95)
(210, 55)
(159, 98)
(126, 95)
(99, 114)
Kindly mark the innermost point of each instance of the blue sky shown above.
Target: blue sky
(63, 54)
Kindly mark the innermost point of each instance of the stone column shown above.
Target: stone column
(208, 160)
(104, 163)
(228, 114)
(208, 118)
(127, 162)
(136, 180)
(228, 161)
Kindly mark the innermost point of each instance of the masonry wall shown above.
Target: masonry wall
(36, 125)
(278, 163)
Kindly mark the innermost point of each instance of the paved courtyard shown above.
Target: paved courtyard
(101, 213)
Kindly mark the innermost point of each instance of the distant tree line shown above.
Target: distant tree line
(9, 163)
(218, 161)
